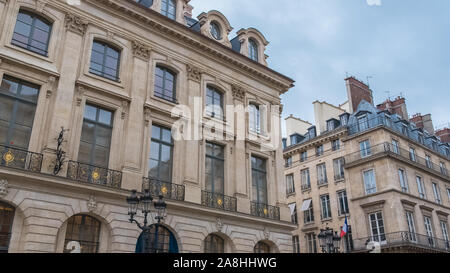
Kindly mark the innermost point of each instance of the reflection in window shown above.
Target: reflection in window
(32, 32)
(145, 3)
(168, 8)
(105, 61)
(262, 247)
(18, 100)
(215, 162)
(259, 180)
(85, 230)
(161, 154)
(255, 118)
(214, 103)
(6, 222)
(253, 50)
(165, 84)
(214, 244)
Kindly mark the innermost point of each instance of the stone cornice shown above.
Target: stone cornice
(197, 41)
(315, 141)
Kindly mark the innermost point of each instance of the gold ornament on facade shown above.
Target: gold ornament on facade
(164, 190)
(266, 211)
(220, 202)
(95, 175)
(8, 157)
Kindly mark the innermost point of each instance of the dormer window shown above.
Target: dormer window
(216, 31)
(420, 137)
(145, 3)
(344, 120)
(363, 123)
(405, 129)
(253, 50)
(169, 8)
(434, 145)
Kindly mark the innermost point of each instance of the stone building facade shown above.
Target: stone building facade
(110, 72)
(387, 176)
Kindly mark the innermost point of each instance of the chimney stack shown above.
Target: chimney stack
(188, 10)
(423, 121)
(397, 106)
(356, 92)
(444, 135)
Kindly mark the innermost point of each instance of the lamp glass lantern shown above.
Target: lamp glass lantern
(133, 203)
(146, 201)
(160, 207)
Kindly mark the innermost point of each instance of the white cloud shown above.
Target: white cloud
(374, 2)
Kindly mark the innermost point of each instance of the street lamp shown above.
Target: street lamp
(144, 202)
(329, 240)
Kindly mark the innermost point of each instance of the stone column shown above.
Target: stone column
(134, 139)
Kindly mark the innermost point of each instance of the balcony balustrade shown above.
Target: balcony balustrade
(94, 175)
(166, 189)
(219, 201)
(20, 159)
(264, 211)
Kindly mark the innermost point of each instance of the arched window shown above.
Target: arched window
(160, 240)
(214, 244)
(165, 84)
(169, 8)
(216, 32)
(6, 222)
(255, 118)
(84, 230)
(32, 32)
(262, 247)
(105, 60)
(253, 50)
(145, 3)
(214, 103)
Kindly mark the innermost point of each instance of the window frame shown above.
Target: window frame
(380, 235)
(215, 159)
(253, 49)
(257, 187)
(102, 73)
(209, 244)
(343, 202)
(165, 70)
(365, 148)
(290, 184)
(421, 187)
(325, 205)
(165, 7)
(161, 143)
(372, 190)
(437, 192)
(404, 185)
(214, 91)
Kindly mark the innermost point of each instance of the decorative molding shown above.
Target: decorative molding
(194, 73)
(147, 115)
(109, 35)
(92, 204)
(76, 23)
(125, 108)
(40, 5)
(79, 93)
(266, 233)
(4, 187)
(238, 92)
(141, 50)
(50, 86)
(219, 225)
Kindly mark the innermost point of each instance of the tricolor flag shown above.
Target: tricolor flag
(344, 228)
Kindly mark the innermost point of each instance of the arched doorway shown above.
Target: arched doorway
(261, 247)
(83, 230)
(6, 221)
(214, 244)
(160, 240)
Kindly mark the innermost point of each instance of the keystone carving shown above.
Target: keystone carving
(194, 73)
(219, 225)
(238, 92)
(92, 203)
(141, 50)
(3, 187)
(266, 233)
(76, 24)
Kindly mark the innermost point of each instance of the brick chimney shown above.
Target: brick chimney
(356, 92)
(424, 122)
(444, 135)
(397, 106)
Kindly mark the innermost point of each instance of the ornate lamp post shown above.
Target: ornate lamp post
(136, 202)
(329, 240)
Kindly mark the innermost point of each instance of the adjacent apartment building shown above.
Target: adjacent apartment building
(93, 85)
(373, 166)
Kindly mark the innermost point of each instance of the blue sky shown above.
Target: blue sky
(404, 45)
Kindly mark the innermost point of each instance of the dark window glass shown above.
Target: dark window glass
(262, 247)
(6, 222)
(161, 154)
(215, 162)
(253, 50)
(165, 84)
(105, 61)
(160, 240)
(296, 244)
(32, 32)
(169, 8)
(18, 101)
(96, 136)
(214, 103)
(348, 240)
(311, 240)
(343, 203)
(145, 3)
(215, 31)
(255, 119)
(85, 230)
(214, 244)
(259, 180)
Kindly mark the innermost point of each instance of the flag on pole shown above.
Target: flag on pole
(344, 228)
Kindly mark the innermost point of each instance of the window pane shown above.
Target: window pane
(103, 137)
(84, 154)
(87, 134)
(156, 132)
(105, 117)
(101, 156)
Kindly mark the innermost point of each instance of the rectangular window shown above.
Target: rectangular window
(296, 244)
(445, 234)
(255, 119)
(405, 129)
(369, 182)
(215, 168)
(403, 180)
(348, 240)
(306, 181)
(294, 218)
(365, 149)
(290, 187)
(363, 123)
(428, 162)
(304, 156)
(330, 125)
(32, 32)
(288, 162)
(437, 193)
(434, 145)
(343, 202)
(429, 230)
(338, 169)
(311, 240)
(377, 227)
(326, 207)
(214, 103)
(443, 168)
(412, 154)
(308, 211)
(322, 174)
(105, 61)
(421, 187)
(18, 100)
(319, 150)
(259, 180)
(395, 146)
(411, 226)
(161, 154)
(96, 136)
(421, 138)
(336, 145)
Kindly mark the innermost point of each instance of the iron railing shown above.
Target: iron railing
(94, 175)
(395, 151)
(219, 201)
(166, 189)
(403, 239)
(388, 123)
(264, 211)
(20, 159)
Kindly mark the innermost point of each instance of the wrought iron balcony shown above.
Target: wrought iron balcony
(264, 211)
(20, 159)
(94, 175)
(219, 201)
(395, 151)
(166, 189)
(404, 239)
